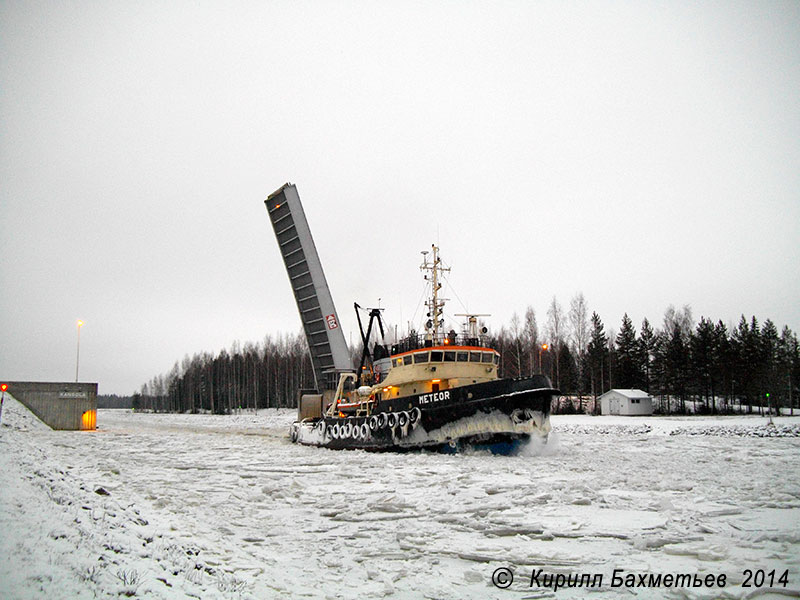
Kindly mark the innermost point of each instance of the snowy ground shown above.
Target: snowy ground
(180, 506)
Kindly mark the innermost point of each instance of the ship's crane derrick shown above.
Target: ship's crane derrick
(326, 343)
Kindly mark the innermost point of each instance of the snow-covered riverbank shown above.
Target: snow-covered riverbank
(180, 506)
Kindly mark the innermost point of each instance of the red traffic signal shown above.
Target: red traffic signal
(3, 387)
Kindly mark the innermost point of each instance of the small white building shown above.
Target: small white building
(626, 402)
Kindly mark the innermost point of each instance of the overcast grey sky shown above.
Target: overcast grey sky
(646, 154)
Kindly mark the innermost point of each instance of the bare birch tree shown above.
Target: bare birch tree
(682, 318)
(578, 318)
(530, 334)
(516, 335)
(555, 329)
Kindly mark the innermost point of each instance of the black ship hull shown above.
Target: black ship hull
(498, 414)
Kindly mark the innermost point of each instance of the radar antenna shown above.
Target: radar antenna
(472, 325)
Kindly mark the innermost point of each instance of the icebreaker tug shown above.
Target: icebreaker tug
(437, 389)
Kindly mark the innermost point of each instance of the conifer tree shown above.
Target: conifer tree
(628, 356)
(769, 362)
(568, 370)
(701, 344)
(647, 348)
(676, 361)
(597, 357)
(786, 357)
(723, 362)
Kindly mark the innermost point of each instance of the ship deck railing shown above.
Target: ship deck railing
(429, 340)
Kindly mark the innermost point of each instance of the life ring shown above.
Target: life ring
(391, 420)
(415, 416)
(364, 431)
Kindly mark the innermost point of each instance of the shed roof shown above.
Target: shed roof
(629, 393)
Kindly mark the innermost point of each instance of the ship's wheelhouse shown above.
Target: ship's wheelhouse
(431, 369)
(447, 354)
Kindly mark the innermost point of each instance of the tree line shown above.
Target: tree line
(713, 367)
(253, 376)
(113, 401)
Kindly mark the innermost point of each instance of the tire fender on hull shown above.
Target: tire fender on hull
(415, 416)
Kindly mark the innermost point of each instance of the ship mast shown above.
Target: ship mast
(435, 304)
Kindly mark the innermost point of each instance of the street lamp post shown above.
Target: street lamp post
(769, 409)
(3, 388)
(542, 347)
(78, 356)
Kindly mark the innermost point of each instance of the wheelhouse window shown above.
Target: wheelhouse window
(474, 357)
(436, 356)
(462, 356)
(497, 359)
(395, 362)
(421, 357)
(449, 356)
(487, 357)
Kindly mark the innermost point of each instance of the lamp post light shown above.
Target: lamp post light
(769, 409)
(78, 356)
(3, 388)
(542, 347)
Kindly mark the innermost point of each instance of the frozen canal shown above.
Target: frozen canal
(181, 506)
